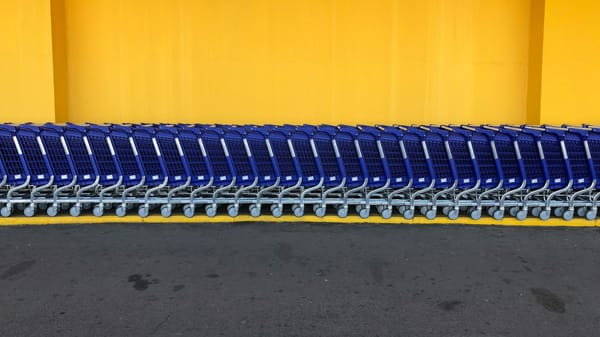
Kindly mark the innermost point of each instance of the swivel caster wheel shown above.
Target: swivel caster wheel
(513, 211)
(401, 209)
(277, 211)
(568, 215)
(446, 210)
(254, 210)
(476, 214)
(320, 211)
(75, 211)
(424, 210)
(144, 211)
(590, 215)
(166, 210)
(559, 211)
(498, 214)
(536, 211)
(521, 215)
(188, 211)
(342, 211)
(299, 210)
(52, 211)
(492, 210)
(364, 212)
(453, 214)
(386, 213)
(29, 211)
(409, 214)
(233, 210)
(98, 210)
(211, 211)
(581, 211)
(545, 215)
(431, 214)
(5, 211)
(120, 211)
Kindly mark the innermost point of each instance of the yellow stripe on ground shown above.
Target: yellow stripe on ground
(354, 219)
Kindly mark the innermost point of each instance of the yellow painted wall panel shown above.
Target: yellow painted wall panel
(26, 75)
(277, 61)
(571, 72)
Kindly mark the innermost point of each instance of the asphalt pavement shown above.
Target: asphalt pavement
(298, 279)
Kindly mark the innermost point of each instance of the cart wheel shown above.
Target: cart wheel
(342, 211)
(211, 211)
(233, 210)
(568, 215)
(320, 211)
(453, 214)
(476, 214)
(120, 211)
(29, 211)
(298, 210)
(401, 209)
(98, 210)
(165, 210)
(545, 215)
(521, 215)
(364, 212)
(254, 210)
(276, 211)
(52, 211)
(424, 210)
(581, 211)
(513, 211)
(559, 211)
(446, 210)
(590, 215)
(188, 211)
(5, 211)
(143, 211)
(386, 213)
(409, 214)
(499, 214)
(536, 211)
(492, 210)
(75, 210)
(431, 214)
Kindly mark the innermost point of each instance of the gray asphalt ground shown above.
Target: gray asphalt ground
(298, 280)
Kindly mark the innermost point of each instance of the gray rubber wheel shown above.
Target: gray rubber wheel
(431, 214)
(409, 214)
(513, 211)
(29, 211)
(590, 215)
(559, 211)
(188, 211)
(545, 215)
(276, 211)
(166, 210)
(342, 211)
(254, 210)
(364, 212)
(453, 214)
(52, 211)
(75, 211)
(98, 210)
(568, 215)
(144, 211)
(521, 215)
(476, 214)
(536, 211)
(492, 210)
(320, 211)
(120, 211)
(581, 211)
(5, 211)
(446, 210)
(211, 211)
(298, 210)
(499, 214)
(386, 213)
(233, 210)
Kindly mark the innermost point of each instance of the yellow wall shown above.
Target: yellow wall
(571, 62)
(26, 74)
(276, 61)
